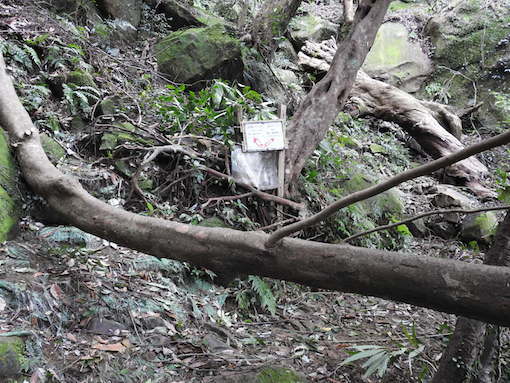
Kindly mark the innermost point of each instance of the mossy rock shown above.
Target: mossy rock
(12, 357)
(396, 56)
(387, 204)
(52, 148)
(197, 54)
(9, 213)
(479, 227)
(472, 40)
(266, 375)
(81, 78)
(278, 375)
(310, 27)
(112, 139)
(213, 222)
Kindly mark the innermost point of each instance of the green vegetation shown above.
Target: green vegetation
(346, 162)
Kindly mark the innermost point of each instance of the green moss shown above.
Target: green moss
(399, 5)
(213, 222)
(190, 54)
(8, 214)
(12, 356)
(52, 148)
(109, 141)
(278, 375)
(8, 191)
(81, 78)
(487, 223)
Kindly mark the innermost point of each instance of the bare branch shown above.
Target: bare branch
(423, 215)
(262, 195)
(501, 139)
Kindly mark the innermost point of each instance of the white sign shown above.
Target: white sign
(262, 136)
(258, 169)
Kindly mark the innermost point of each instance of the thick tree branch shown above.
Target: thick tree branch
(478, 291)
(423, 215)
(501, 139)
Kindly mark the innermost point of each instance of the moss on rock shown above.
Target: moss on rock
(12, 357)
(479, 227)
(52, 148)
(8, 190)
(278, 375)
(200, 54)
(81, 78)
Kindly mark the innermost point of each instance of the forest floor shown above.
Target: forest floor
(92, 311)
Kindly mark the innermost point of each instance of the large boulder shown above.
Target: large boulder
(127, 10)
(8, 190)
(310, 27)
(471, 44)
(180, 15)
(397, 59)
(479, 227)
(198, 54)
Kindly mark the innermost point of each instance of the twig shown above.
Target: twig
(226, 198)
(501, 139)
(258, 193)
(166, 188)
(422, 215)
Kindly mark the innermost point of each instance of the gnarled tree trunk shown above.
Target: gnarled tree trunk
(320, 107)
(432, 125)
(470, 352)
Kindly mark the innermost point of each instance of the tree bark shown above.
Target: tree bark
(320, 107)
(478, 291)
(474, 341)
(432, 125)
(271, 22)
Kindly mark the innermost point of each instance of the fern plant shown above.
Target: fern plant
(79, 98)
(378, 357)
(258, 292)
(24, 55)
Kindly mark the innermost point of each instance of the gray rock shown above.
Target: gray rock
(445, 230)
(181, 15)
(122, 32)
(479, 227)
(105, 327)
(451, 197)
(67, 235)
(127, 10)
(197, 54)
(418, 228)
(397, 59)
(310, 27)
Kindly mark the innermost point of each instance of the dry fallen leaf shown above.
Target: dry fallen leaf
(114, 347)
(56, 292)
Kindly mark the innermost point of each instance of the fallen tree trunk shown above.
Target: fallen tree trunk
(477, 291)
(432, 125)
